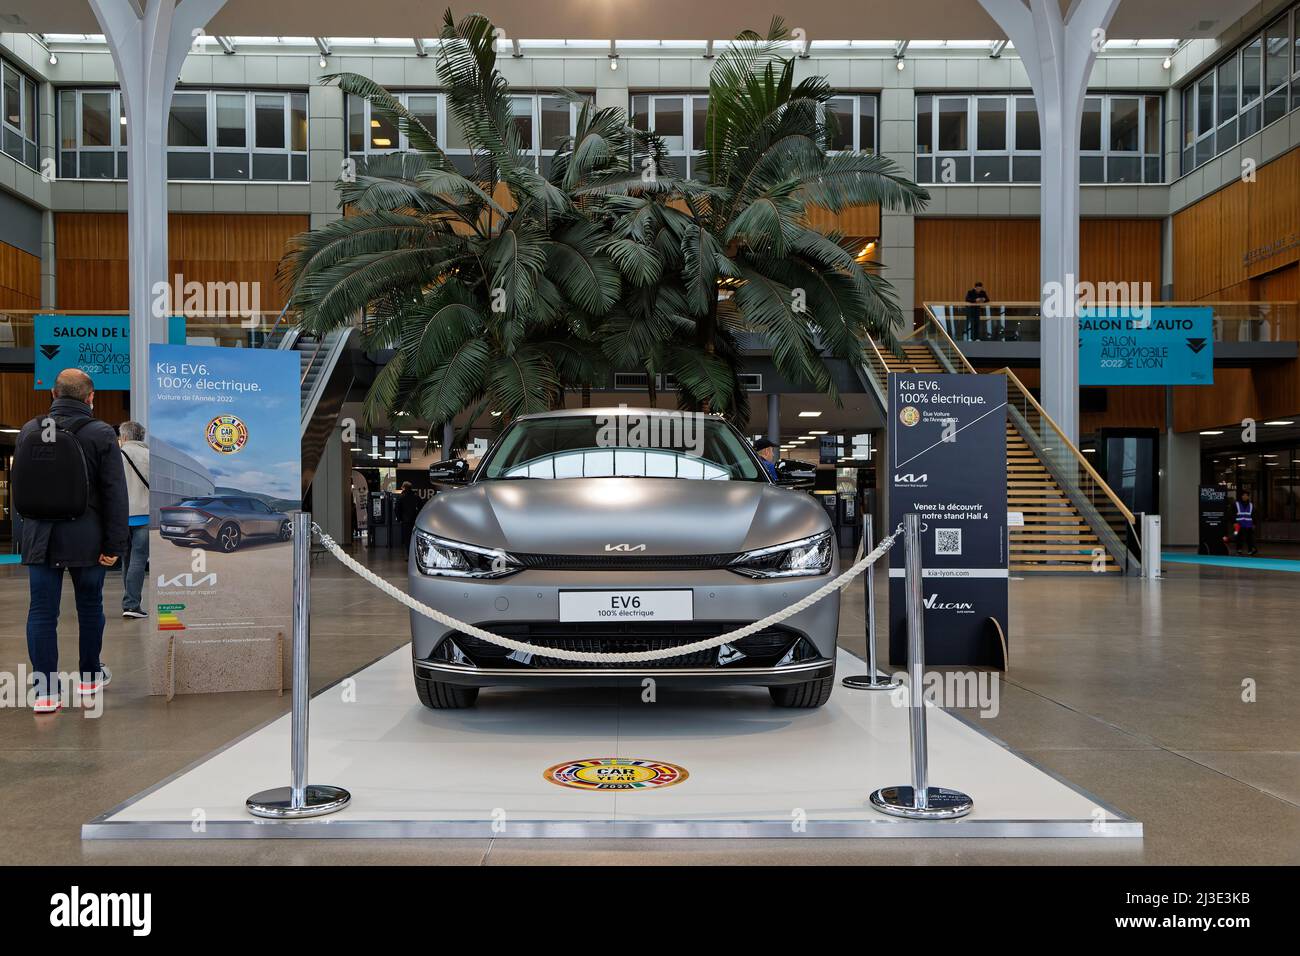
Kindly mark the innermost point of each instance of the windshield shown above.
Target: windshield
(666, 445)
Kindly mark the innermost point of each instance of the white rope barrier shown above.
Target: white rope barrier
(605, 657)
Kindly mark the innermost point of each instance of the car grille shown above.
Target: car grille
(764, 649)
(625, 562)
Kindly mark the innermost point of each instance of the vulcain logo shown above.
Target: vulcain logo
(188, 580)
(933, 603)
(625, 547)
(911, 479)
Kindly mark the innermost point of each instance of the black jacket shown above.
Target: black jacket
(408, 506)
(103, 528)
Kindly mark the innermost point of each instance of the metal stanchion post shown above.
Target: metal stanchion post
(871, 680)
(299, 799)
(920, 801)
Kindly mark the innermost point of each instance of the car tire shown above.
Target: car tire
(806, 696)
(228, 538)
(286, 530)
(439, 695)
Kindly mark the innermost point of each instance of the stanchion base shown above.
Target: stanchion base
(318, 800)
(942, 804)
(870, 682)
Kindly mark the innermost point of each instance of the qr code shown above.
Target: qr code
(947, 540)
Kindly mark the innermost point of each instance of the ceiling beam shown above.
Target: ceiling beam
(323, 45)
(419, 46)
(900, 48)
(995, 51)
(225, 44)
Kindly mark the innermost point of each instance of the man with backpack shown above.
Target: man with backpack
(135, 455)
(70, 488)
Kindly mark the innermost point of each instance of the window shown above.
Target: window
(680, 120)
(1256, 84)
(18, 135)
(223, 135)
(665, 115)
(996, 138)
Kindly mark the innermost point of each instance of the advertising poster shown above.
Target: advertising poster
(1213, 520)
(225, 479)
(1165, 346)
(947, 461)
(99, 345)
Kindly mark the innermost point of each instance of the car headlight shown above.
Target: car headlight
(806, 556)
(437, 556)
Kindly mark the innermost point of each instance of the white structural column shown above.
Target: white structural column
(149, 40)
(1058, 50)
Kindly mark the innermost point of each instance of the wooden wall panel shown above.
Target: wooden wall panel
(91, 254)
(20, 278)
(1241, 232)
(19, 402)
(951, 254)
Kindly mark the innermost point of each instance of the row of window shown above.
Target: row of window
(984, 138)
(211, 134)
(18, 129)
(1255, 85)
(542, 122)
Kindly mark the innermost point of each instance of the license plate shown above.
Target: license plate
(173, 527)
(627, 605)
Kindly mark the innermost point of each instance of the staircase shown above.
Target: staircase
(1057, 535)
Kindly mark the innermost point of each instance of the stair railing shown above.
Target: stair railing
(1108, 516)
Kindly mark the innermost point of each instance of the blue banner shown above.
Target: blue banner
(1159, 346)
(99, 345)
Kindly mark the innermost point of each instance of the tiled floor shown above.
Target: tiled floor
(1132, 690)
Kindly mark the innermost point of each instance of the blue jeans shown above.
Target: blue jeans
(46, 584)
(134, 564)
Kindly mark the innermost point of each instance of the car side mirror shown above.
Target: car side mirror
(452, 471)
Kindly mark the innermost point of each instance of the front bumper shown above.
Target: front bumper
(722, 600)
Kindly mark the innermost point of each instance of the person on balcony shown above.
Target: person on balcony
(976, 297)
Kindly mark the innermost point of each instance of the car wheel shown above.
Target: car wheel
(228, 537)
(438, 695)
(286, 530)
(808, 695)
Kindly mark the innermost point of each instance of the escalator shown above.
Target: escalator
(325, 376)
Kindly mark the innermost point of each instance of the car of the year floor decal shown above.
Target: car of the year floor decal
(615, 773)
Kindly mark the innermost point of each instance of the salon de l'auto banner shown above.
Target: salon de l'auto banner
(1170, 345)
(225, 478)
(947, 460)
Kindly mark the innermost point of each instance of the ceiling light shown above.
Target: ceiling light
(1279, 423)
(810, 414)
(901, 65)
(1168, 63)
(1089, 451)
(381, 141)
(496, 414)
(818, 433)
(1211, 433)
(410, 431)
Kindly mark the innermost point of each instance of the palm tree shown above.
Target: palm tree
(487, 285)
(735, 253)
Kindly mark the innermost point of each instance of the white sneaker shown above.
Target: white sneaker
(97, 683)
(47, 705)
(137, 613)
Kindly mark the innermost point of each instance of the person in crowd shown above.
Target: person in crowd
(135, 455)
(767, 452)
(975, 298)
(1245, 522)
(85, 545)
(408, 509)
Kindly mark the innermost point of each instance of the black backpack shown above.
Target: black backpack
(51, 479)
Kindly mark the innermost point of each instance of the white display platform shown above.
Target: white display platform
(754, 770)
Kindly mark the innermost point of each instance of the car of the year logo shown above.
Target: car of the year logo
(223, 522)
(578, 532)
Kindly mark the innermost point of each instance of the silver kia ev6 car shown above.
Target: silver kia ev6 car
(622, 530)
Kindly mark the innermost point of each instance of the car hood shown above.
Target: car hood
(585, 515)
